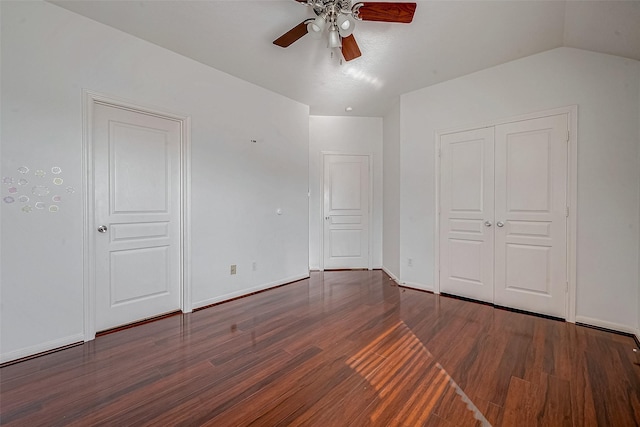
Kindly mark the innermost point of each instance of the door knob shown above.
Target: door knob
(102, 229)
(326, 217)
(487, 223)
(500, 224)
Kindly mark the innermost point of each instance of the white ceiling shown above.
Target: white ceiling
(446, 39)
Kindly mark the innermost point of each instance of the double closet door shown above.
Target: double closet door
(503, 214)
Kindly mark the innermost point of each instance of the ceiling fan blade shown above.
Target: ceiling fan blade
(350, 49)
(387, 12)
(292, 35)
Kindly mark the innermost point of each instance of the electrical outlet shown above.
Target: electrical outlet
(233, 269)
(410, 262)
(254, 266)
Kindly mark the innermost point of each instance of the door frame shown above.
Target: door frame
(89, 100)
(369, 208)
(572, 194)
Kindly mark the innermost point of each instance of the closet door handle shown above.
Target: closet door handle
(488, 223)
(500, 224)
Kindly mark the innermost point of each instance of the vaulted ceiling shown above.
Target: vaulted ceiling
(447, 39)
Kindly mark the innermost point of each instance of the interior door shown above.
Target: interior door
(346, 211)
(530, 200)
(466, 214)
(136, 159)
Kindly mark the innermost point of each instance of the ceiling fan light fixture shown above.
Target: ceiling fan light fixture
(344, 22)
(334, 38)
(346, 25)
(338, 18)
(317, 35)
(319, 24)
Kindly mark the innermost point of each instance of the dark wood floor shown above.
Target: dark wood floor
(340, 349)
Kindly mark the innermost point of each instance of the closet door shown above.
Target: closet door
(466, 214)
(530, 215)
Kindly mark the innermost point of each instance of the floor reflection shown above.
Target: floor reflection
(396, 361)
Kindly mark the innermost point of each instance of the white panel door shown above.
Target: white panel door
(136, 159)
(346, 211)
(466, 214)
(530, 200)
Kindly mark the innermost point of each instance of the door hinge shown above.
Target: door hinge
(439, 152)
(568, 134)
(567, 212)
(566, 287)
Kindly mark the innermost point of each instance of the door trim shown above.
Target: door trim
(369, 210)
(89, 100)
(572, 195)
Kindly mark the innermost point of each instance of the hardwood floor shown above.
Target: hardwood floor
(346, 348)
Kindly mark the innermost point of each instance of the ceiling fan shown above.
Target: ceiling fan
(338, 18)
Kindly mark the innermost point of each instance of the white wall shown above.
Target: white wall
(391, 191)
(48, 56)
(350, 135)
(605, 89)
(638, 317)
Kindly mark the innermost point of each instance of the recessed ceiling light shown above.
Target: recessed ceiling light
(348, 109)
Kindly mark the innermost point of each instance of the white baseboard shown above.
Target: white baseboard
(40, 348)
(414, 285)
(420, 286)
(379, 267)
(244, 292)
(608, 325)
(390, 274)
